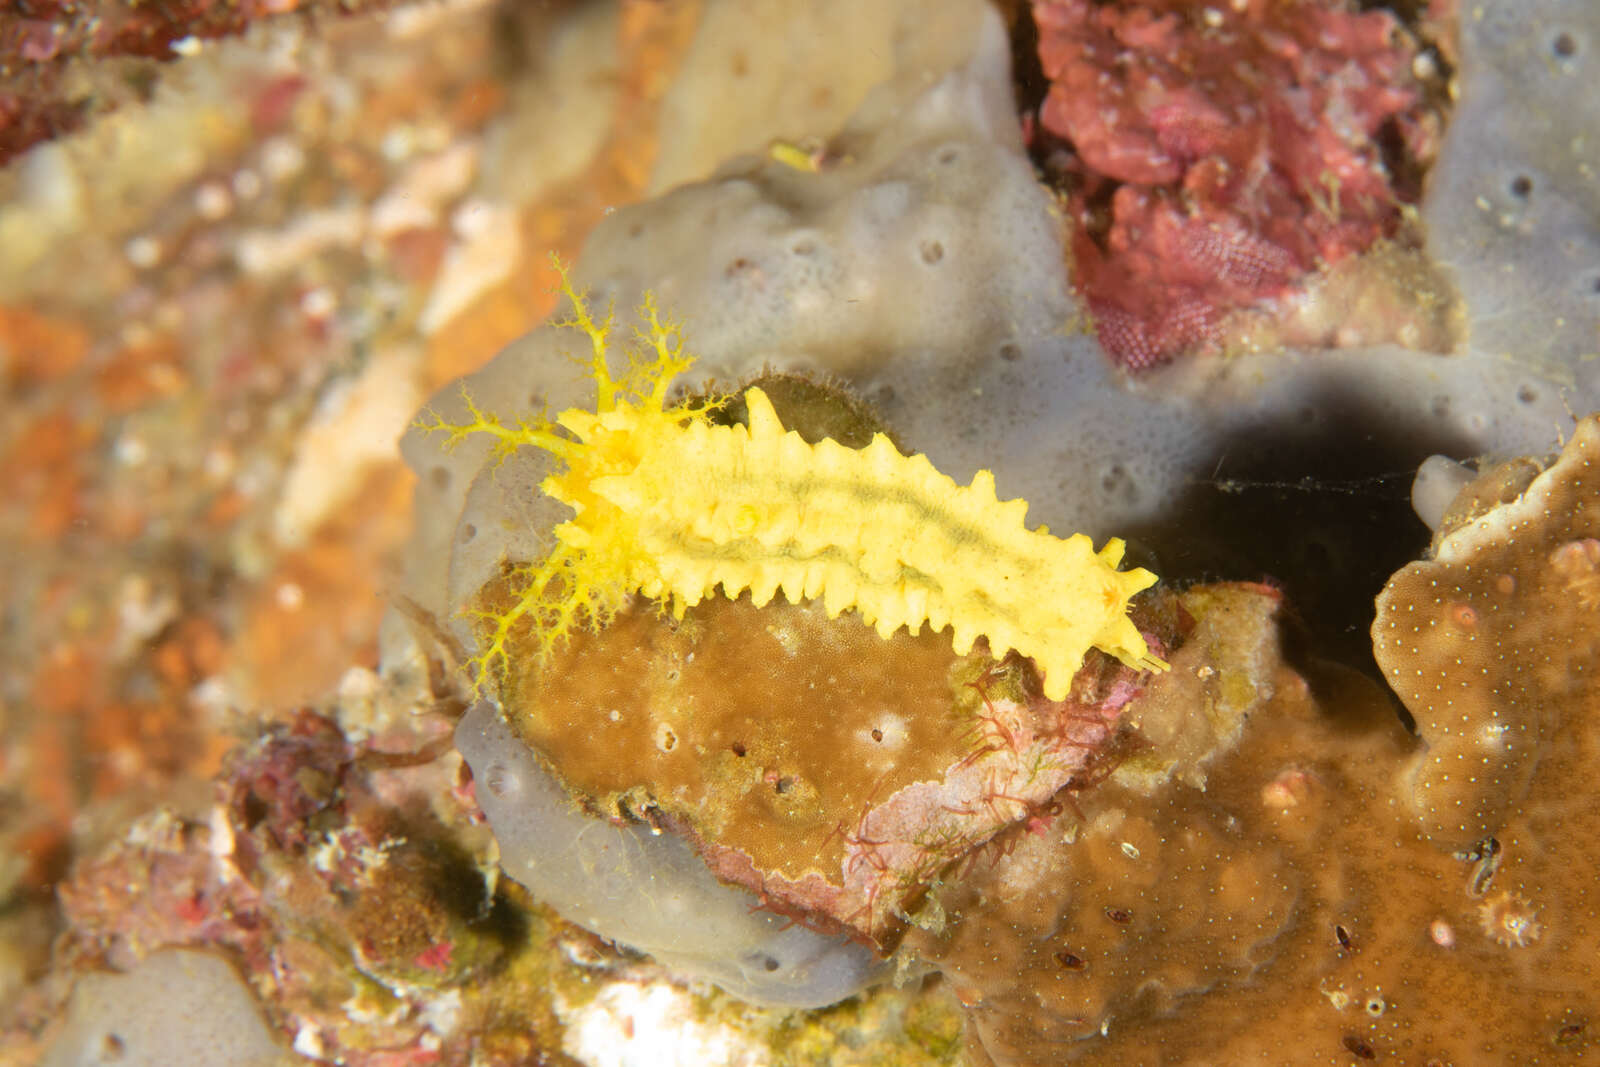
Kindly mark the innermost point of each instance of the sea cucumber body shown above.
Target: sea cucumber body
(669, 504)
(758, 508)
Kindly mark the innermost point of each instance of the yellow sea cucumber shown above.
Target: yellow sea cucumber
(667, 504)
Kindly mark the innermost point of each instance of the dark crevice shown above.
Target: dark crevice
(1321, 509)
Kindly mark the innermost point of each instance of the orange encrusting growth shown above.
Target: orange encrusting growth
(671, 506)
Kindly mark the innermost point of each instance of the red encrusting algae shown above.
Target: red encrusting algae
(1224, 154)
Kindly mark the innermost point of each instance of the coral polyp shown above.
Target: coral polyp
(1510, 920)
(671, 506)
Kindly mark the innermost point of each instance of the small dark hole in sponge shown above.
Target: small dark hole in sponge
(1521, 187)
(1564, 45)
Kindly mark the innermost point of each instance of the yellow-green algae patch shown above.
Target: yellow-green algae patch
(882, 1028)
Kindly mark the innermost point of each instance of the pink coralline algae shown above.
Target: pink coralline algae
(340, 881)
(1222, 154)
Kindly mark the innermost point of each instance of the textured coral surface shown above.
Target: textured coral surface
(841, 773)
(1490, 643)
(1283, 905)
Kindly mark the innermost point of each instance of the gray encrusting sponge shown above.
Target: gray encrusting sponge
(646, 890)
(177, 1008)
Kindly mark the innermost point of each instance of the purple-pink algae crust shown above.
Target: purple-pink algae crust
(1221, 154)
